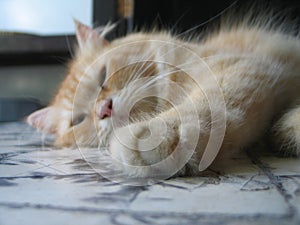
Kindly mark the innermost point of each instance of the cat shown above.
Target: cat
(166, 106)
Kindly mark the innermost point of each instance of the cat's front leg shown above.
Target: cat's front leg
(158, 148)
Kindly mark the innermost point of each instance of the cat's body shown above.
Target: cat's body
(186, 100)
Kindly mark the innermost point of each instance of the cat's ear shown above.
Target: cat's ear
(86, 34)
(41, 119)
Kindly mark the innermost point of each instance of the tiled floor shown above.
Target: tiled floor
(39, 185)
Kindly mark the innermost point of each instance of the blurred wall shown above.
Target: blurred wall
(35, 81)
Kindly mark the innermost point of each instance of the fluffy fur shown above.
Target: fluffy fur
(175, 102)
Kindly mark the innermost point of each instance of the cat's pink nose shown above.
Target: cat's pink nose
(106, 109)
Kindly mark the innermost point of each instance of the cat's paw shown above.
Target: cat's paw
(286, 133)
(136, 148)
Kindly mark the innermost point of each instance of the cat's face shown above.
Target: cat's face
(96, 87)
(119, 100)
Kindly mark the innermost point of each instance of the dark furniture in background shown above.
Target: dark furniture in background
(179, 15)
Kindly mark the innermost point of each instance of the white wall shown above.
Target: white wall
(44, 17)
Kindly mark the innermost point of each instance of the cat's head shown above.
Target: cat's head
(96, 85)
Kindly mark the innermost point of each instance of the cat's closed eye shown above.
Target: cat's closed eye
(102, 76)
(77, 120)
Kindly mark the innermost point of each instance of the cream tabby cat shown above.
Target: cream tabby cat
(165, 106)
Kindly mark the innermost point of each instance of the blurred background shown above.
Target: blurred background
(37, 38)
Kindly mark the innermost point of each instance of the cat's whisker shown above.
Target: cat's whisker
(139, 73)
(207, 21)
(182, 66)
(172, 29)
(151, 81)
(144, 60)
(142, 67)
(135, 72)
(160, 76)
(70, 49)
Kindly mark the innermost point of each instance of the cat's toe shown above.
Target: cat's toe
(127, 152)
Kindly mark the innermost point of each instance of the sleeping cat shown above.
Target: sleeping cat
(165, 106)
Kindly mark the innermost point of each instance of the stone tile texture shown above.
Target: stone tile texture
(42, 185)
